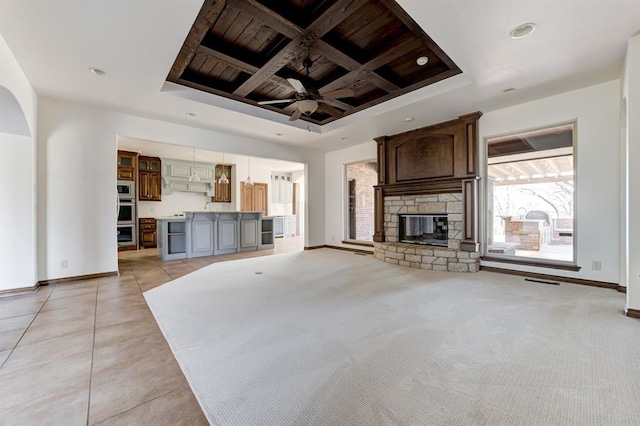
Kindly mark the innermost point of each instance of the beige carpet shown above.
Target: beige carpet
(327, 337)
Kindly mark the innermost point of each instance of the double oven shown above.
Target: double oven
(127, 214)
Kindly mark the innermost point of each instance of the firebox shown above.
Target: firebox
(428, 229)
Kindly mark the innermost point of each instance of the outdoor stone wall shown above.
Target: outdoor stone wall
(435, 258)
(565, 226)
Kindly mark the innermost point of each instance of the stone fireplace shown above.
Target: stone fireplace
(429, 174)
(425, 256)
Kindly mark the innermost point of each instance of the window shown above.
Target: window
(531, 196)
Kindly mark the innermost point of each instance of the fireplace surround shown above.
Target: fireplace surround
(431, 172)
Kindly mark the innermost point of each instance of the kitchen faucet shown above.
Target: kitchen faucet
(207, 205)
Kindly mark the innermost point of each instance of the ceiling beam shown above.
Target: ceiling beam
(208, 15)
(300, 45)
(239, 65)
(391, 54)
(350, 64)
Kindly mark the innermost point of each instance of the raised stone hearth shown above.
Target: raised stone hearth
(420, 256)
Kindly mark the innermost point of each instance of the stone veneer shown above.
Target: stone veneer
(434, 258)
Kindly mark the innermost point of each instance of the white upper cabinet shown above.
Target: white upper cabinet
(176, 174)
(281, 188)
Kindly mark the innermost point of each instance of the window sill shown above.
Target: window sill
(536, 263)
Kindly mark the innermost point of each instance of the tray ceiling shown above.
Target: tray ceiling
(247, 50)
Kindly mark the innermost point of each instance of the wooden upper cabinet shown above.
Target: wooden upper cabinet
(152, 164)
(127, 165)
(149, 179)
(222, 191)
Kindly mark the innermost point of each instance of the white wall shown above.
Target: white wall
(597, 110)
(631, 92)
(77, 164)
(336, 182)
(174, 203)
(17, 183)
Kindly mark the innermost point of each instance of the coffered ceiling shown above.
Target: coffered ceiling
(341, 55)
(136, 42)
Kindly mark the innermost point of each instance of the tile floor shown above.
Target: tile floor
(90, 352)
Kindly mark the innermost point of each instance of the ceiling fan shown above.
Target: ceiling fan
(307, 100)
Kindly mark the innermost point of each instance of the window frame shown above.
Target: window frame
(522, 260)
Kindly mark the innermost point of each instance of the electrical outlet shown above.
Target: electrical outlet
(64, 264)
(596, 265)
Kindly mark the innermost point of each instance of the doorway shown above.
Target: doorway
(361, 178)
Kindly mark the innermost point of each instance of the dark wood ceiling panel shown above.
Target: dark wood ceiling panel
(247, 49)
(300, 12)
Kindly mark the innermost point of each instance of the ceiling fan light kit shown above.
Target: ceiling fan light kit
(307, 106)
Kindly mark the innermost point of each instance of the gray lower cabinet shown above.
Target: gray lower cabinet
(249, 233)
(172, 239)
(266, 240)
(211, 233)
(227, 241)
(201, 237)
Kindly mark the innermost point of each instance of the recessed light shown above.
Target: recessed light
(96, 71)
(523, 30)
(190, 114)
(422, 60)
(510, 89)
(409, 119)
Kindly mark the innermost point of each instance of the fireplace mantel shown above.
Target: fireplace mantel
(438, 159)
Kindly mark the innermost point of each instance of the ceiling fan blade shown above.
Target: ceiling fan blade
(277, 101)
(340, 93)
(296, 114)
(297, 85)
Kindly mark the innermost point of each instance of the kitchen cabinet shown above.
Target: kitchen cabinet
(227, 231)
(248, 233)
(184, 170)
(284, 226)
(172, 239)
(290, 226)
(148, 236)
(281, 188)
(151, 164)
(127, 165)
(149, 186)
(176, 176)
(149, 179)
(200, 235)
(222, 192)
(254, 198)
(266, 233)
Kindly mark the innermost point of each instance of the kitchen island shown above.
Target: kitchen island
(203, 233)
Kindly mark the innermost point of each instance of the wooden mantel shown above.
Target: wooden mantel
(438, 159)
